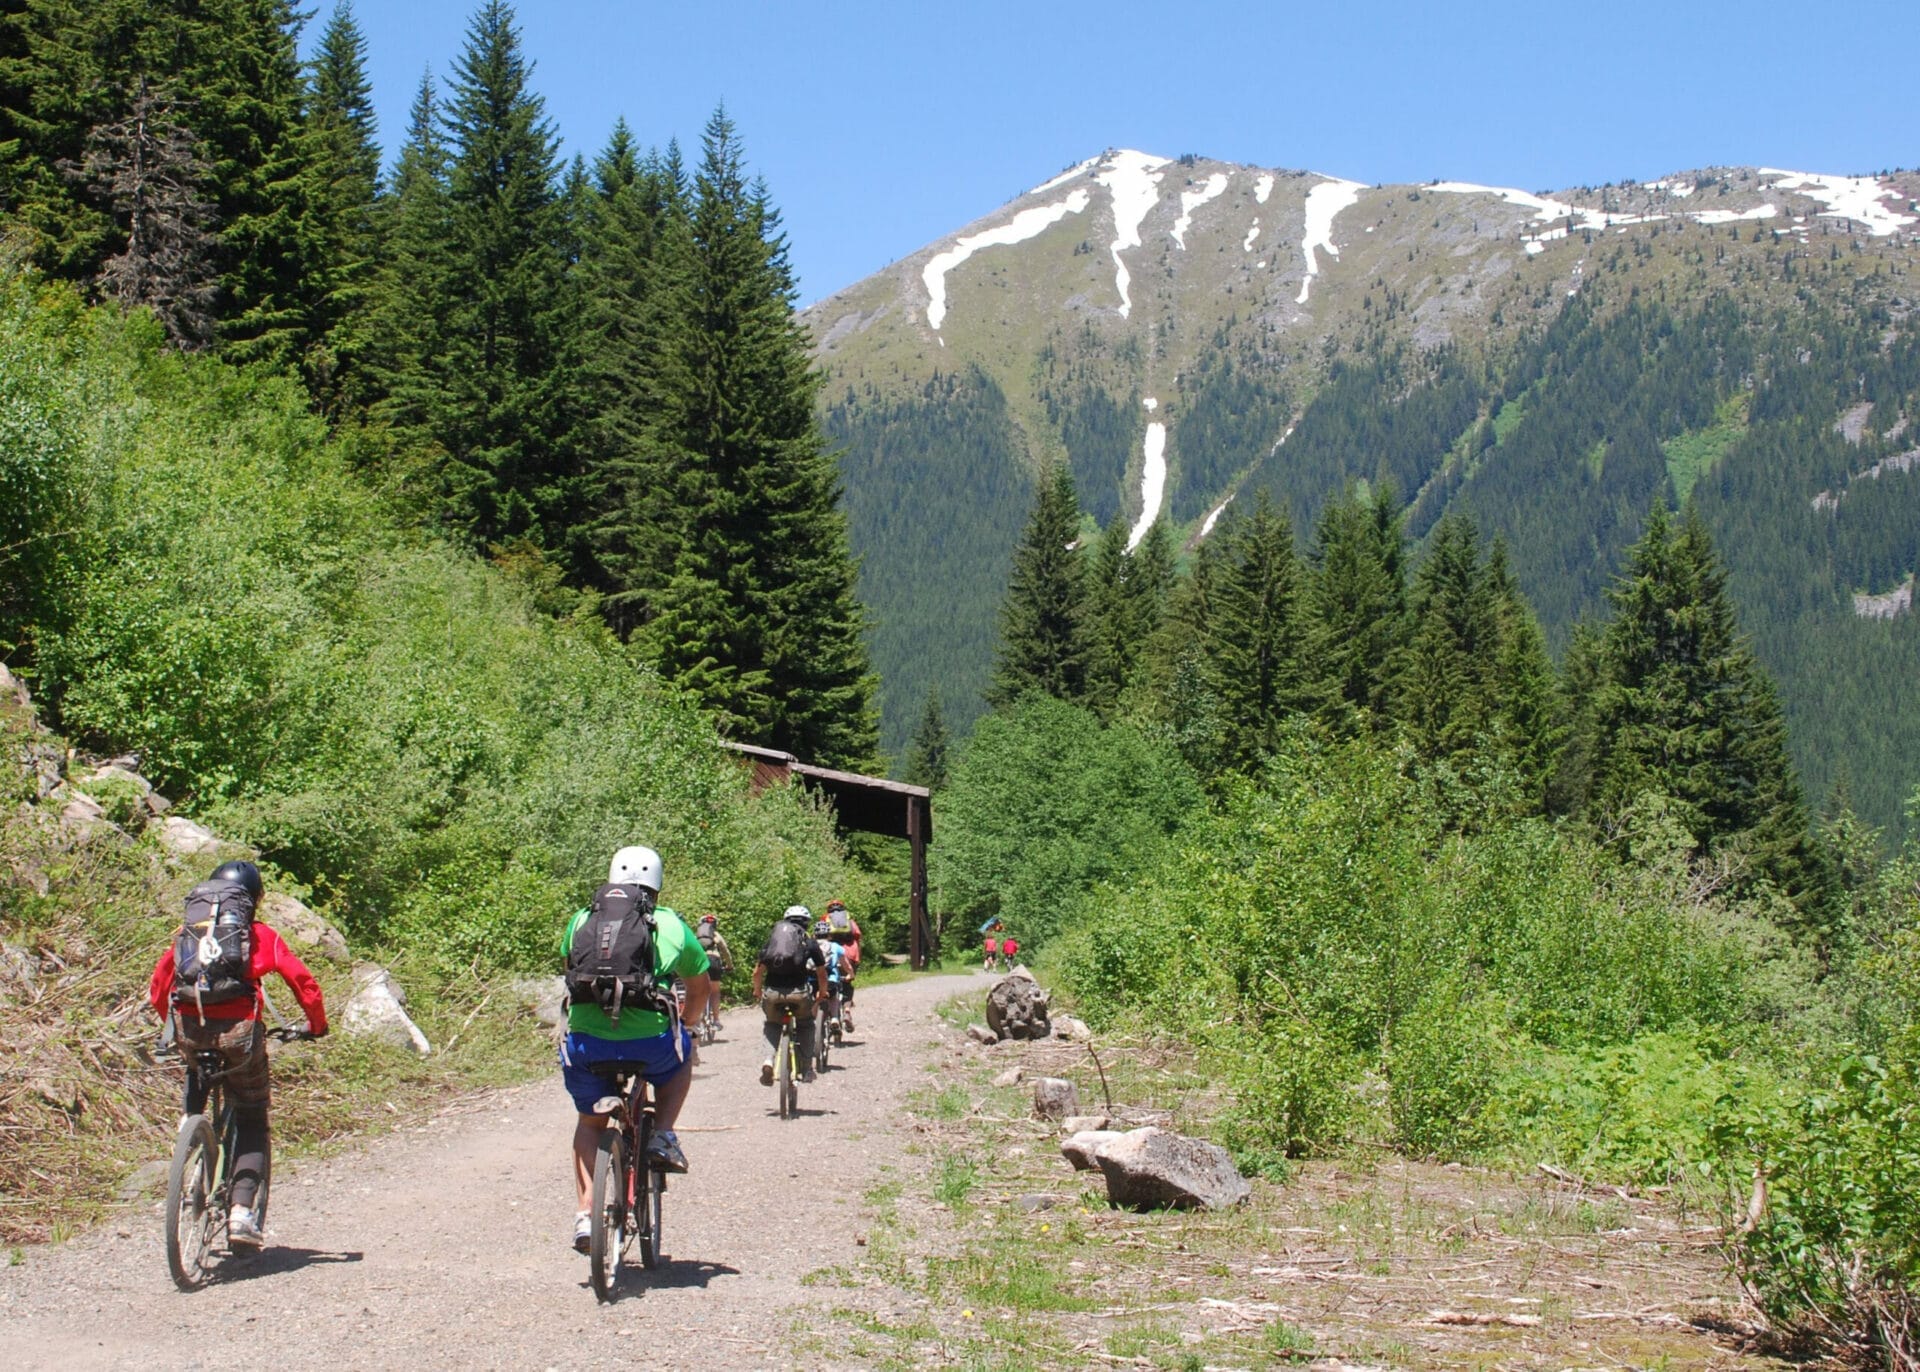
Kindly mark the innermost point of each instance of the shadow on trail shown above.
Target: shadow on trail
(277, 1261)
(672, 1275)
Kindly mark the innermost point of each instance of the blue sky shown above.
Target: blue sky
(882, 127)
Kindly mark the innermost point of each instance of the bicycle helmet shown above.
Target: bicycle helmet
(821, 928)
(799, 914)
(706, 920)
(833, 905)
(636, 866)
(243, 872)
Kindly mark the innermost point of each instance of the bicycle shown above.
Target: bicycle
(786, 1065)
(826, 1028)
(626, 1201)
(199, 1180)
(708, 1029)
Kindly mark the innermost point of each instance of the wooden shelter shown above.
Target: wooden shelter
(873, 805)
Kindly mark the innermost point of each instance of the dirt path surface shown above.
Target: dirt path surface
(446, 1245)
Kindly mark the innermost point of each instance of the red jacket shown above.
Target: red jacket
(270, 954)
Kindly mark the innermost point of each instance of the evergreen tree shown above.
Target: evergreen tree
(1043, 632)
(499, 414)
(1446, 685)
(1582, 674)
(1112, 648)
(1525, 727)
(927, 760)
(758, 612)
(342, 169)
(405, 353)
(1687, 711)
(1357, 598)
(1257, 650)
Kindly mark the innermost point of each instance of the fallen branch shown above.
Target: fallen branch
(1471, 1317)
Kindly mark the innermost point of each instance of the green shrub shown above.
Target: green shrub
(1441, 1066)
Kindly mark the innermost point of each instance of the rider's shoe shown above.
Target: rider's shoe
(766, 1072)
(663, 1151)
(243, 1230)
(582, 1232)
(808, 1077)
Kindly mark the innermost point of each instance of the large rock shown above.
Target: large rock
(183, 838)
(1071, 1027)
(1083, 1149)
(1017, 1007)
(113, 774)
(378, 1009)
(1054, 1098)
(300, 926)
(1080, 1124)
(10, 687)
(1152, 1167)
(546, 997)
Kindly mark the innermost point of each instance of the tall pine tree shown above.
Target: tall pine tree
(927, 757)
(1257, 644)
(1043, 631)
(1357, 600)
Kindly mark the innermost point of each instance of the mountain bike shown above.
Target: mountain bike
(708, 1029)
(786, 1065)
(627, 1190)
(200, 1178)
(826, 1029)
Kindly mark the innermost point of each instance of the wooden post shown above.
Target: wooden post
(917, 930)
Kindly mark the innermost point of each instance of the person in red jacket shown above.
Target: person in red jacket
(846, 933)
(233, 1029)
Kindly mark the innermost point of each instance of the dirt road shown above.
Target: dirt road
(446, 1245)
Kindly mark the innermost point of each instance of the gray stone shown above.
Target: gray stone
(1072, 1027)
(1079, 1124)
(1082, 1149)
(148, 1179)
(979, 1033)
(81, 811)
(183, 838)
(303, 928)
(545, 997)
(377, 1009)
(1054, 1098)
(1036, 1201)
(1150, 1168)
(157, 804)
(1017, 1007)
(1013, 1076)
(10, 686)
(114, 774)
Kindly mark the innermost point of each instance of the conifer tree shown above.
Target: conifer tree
(1043, 632)
(1582, 674)
(1357, 599)
(758, 611)
(500, 413)
(1523, 701)
(405, 351)
(1257, 649)
(927, 757)
(1111, 646)
(1445, 687)
(1687, 711)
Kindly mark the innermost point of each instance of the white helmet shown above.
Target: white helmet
(636, 866)
(798, 913)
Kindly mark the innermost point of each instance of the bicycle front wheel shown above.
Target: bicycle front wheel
(789, 1095)
(608, 1215)
(652, 1185)
(193, 1212)
(821, 1047)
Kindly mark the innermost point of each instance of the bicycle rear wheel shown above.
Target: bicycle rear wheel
(608, 1214)
(193, 1211)
(783, 1075)
(821, 1047)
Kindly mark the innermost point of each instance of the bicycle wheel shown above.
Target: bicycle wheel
(821, 1047)
(783, 1074)
(608, 1214)
(193, 1210)
(652, 1184)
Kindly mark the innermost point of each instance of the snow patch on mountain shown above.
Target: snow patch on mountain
(1324, 203)
(1846, 197)
(1193, 200)
(1252, 234)
(1133, 180)
(1024, 225)
(1213, 518)
(1153, 477)
(1262, 187)
(1767, 211)
(1064, 177)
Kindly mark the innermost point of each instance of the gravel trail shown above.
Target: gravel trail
(446, 1244)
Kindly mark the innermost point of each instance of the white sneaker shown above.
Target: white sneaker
(243, 1230)
(582, 1232)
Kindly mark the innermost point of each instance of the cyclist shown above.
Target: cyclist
(231, 1027)
(993, 948)
(718, 954)
(642, 1038)
(836, 958)
(790, 975)
(846, 933)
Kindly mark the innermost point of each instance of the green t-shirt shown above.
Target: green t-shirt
(676, 953)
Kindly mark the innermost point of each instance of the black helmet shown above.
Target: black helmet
(243, 872)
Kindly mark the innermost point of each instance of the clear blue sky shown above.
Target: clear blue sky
(880, 127)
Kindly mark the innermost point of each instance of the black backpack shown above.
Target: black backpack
(612, 962)
(213, 951)
(789, 956)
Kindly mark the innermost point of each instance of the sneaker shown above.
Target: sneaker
(808, 1077)
(243, 1230)
(766, 1072)
(663, 1151)
(582, 1232)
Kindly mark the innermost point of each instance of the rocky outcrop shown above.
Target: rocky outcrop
(1151, 1168)
(183, 838)
(1017, 1007)
(378, 1009)
(300, 926)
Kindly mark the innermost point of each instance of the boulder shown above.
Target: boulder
(377, 1009)
(301, 927)
(1054, 1098)
(1072, 1027)
(10, 687)
(1017, 1007)
(1013, 1076)
(545, 997)
(183, 838)
(1083, 1149)
(1080, 1124)
(113, 774)
(1149, 1168)
(82, 811)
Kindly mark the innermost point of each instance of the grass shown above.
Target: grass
(1691, 456)
(959, 1175)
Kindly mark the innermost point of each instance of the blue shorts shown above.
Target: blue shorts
(585, 1057)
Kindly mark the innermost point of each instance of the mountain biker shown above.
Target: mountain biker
(846, 933)
(718, 954)
(790, 975)
(993, 951)
(232, 1028)
(1010, 950)
(836, 960)
(641, 1038)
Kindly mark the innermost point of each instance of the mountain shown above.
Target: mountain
(1184, 332)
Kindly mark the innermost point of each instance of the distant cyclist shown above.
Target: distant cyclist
(837, 964)
(790, 975)
(715, 942)
(845, 931)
